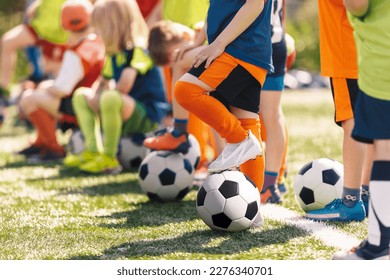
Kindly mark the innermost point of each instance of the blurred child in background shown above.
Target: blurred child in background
(271, 112)
(44, 29)
(81, 66)
(192, 14)
(370, 20)
(136, 102)
(339, 62)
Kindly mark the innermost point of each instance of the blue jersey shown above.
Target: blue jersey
(254, 44)
(148, 87)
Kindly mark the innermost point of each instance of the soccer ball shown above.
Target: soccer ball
(291, 51)
(76, 143)
(318, 183)
(166, 176)
(193, 154)
(131, 151)
(228, 201)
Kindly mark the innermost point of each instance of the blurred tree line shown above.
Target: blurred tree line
(302, 25)
(301, 20)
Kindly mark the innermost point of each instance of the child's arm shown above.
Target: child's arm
(245, 16)
(126, 81)
(357, 7)
(200, 39)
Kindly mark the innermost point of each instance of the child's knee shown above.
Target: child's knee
(110, 100)
(78, 96)
(186, 93)
(27, 100)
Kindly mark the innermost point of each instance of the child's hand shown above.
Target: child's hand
(208, 54)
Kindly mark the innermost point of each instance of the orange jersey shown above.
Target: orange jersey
(337, 44)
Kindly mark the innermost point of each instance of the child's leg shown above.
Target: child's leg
(190, 93)
(284, 166)
(112, 110)
(272, 115)
(16, 38)
(86, 119)
(42, 110)
(378, 215)
(111, 104)
(202, 133)
(254, 169)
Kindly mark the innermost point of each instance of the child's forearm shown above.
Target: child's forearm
(201, 36)
(241, 21)
(357, 7)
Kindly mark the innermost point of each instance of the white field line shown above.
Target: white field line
(326, 233)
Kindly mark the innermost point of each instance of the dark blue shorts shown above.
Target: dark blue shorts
(372, 119)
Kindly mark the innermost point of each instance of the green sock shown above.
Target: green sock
(86, 119)
(110, 107)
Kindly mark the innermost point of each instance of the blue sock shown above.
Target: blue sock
(350, 196)
(34, 56)
(179, 127)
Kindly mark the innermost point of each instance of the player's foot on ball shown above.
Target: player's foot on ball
(168, 142)
(365, 251)
(236, 154)
(337, 211)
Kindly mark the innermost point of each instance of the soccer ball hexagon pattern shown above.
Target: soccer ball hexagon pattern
(166, 176)
(318, 183)
(228, 201)
(130, 152)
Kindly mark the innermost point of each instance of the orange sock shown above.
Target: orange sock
(193, 98)
(263, 132)
(283, 167)
(254, 169)
(45, 125)
(201, 132)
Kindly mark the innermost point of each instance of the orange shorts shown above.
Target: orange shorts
(344, 93)
(236, 83)
(50, 50)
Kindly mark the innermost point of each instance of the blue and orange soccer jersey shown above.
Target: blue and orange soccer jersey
(252, 46)
(337, 44)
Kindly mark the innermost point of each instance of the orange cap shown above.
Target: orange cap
(76, 14)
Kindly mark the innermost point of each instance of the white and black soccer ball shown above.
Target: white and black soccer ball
(228, 201)
(76, 143)
(166, 176)
(193, 154)
(318, 183)
(131, 151)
